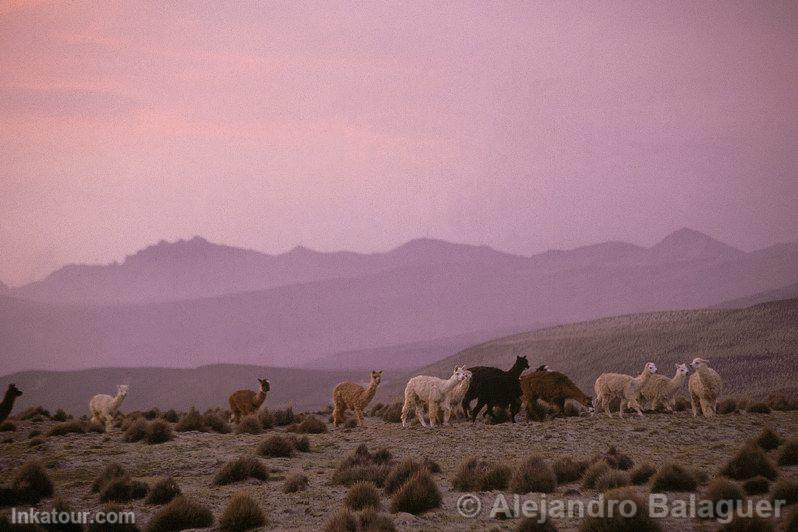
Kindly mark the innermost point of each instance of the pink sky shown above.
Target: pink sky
(525, 126)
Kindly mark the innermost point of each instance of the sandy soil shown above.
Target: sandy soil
(193, 458)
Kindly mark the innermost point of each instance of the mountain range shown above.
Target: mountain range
(194, 303)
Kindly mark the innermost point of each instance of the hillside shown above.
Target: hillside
(787, 292)
(295, 324)
(754, 349)
(203, 387)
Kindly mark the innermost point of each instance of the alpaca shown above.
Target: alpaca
(662, 391)
(8, 401)
(495, 387)
(552, 387)
(705, 386)
(245, 402)
(103, 407)
(610, 386)
(354, 397)
(435, 393)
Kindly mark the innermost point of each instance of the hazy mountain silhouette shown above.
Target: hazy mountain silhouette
(421, 291)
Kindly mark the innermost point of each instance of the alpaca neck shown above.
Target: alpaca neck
(678, 380)
(516, 370)
(643, 377)
(369, 392)
(117, 401)
(259, 398)
(7, 404)
(449, 385)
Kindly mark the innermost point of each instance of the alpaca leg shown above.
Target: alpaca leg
(447, 412)
(621, 408)
(406, 408)
(359, 417)
(515, 406)
(706, 408)
(634, 404)
(433, 413)
(694, 402)
(420, 413)
(339, 409)
(475, 411)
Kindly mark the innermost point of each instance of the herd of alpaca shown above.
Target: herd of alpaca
(490, 387)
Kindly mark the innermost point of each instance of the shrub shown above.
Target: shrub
(392, 413)
(768, 439)
(614, 478)
(431, 465)
(266, 418)
(283, 417)
(342, 521)
(592, 474)
(152, 413)
(170, 416)
(477, 475)
(242, 513)
(568, 470)
(179, 514)
(673, 477)
(109, 473)
(747, 524)
(642, 473)
(276, 446)
(785, 490)
(249, 425)
(350, 423)
(103, 527)
(33, 412)
(724, 492)
(727, 406)
(617, 460)
(7, 426)
(216, 423)
(164, 491)
(300, 444)
(95, 426)
(533, 524)
(33, 433)
(534, 474)
(401, 473)
(749, 461)
(681, 404)
(158, 432)
(123, 489)
(309, 425)
(193, 420)
(758, 408)
(60, 505)
(31, 483)
(361, 495)
(756, 485)
(782, 402)
(791, 524)
(240, 469)
(788, 454)
(135, 431)
(360, 466)
(417, 495)
(373, 521)
(295, 482)
(68, 427)
(641, 521)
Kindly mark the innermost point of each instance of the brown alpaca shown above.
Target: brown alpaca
(354, 397)
(551, 386)
(8, 401)
(245, 402)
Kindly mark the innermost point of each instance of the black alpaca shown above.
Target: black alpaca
(8, 401)
(495, 387)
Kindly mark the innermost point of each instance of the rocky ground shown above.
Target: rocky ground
(192, 458)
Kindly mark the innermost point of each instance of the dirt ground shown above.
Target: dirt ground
(193, 458)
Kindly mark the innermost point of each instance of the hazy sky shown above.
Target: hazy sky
(526, 126)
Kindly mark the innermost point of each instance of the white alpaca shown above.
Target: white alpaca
(660, 390)
(705, 387)
(455, 396)
(611, 386)
(435, 393)
(103, 407)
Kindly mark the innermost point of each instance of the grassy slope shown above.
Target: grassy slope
(754, 349)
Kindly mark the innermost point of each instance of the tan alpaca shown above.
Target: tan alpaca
(246, 402)
(354, 397)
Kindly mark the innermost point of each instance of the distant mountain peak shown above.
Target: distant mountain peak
(689, 244)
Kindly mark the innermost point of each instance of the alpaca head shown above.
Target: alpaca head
(650, 368)
(121, 389)
(681, 369)
(521, 362)
(461, 374)
(698, 362)
(376, 377)
(264, 385)
(13, 391)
